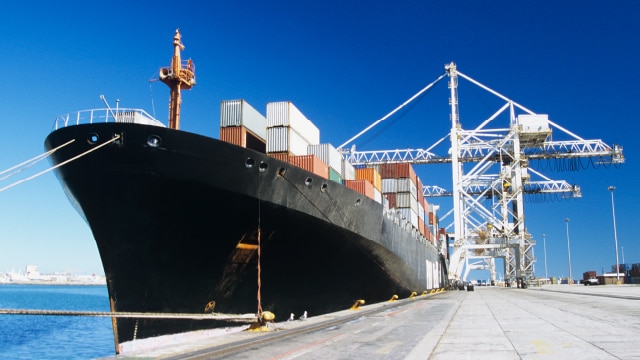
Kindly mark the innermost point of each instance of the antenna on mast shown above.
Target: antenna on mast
(177, 77)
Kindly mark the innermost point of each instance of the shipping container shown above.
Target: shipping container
(240, 113)
(334, 175)
(283, 156)
(391, 198)
(348, 171)
(311, 163)
(362, 186)
(371, 175)
(409, 215)
(421, 212)
(407, 185)
(328, 154)
(377, 195)
(398, 170)
(241, 136)
(389, 185)
(285, 114)
(286, 139)
(421, 226)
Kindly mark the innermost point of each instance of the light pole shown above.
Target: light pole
(566, 220)
(622, 248)
(544, 242)
(615, 234)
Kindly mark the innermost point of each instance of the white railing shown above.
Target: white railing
(105, 115)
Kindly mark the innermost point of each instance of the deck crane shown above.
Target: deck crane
(490, 177)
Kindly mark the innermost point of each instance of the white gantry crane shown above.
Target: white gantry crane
(491, 176)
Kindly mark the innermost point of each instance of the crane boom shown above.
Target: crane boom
(490, 177)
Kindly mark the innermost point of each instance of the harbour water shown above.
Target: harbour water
(55, 337)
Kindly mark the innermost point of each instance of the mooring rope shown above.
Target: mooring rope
(32, 161)
(116, 137)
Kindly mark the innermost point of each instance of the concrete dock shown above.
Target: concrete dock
(552, 321)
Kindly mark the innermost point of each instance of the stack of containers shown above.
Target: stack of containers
(289, 134)
(242, 125)
(433, 220)
(421, 222)
(399, 186)
(372, 176)
(330, 156)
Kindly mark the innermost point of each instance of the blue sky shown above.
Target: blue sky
(344, 65)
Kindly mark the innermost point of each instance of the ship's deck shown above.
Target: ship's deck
(554, 321)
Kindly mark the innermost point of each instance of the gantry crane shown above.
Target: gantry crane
(491, 176)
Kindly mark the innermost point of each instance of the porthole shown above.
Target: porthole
(308, 181)
(154, 140)
(282, 171)
(93, 138)
(249, 163)
(324, 186)
(358, 202)
(263, 166)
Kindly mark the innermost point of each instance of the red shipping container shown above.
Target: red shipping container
(311, 163)
(391, 197)
(399, 170)
(362, 186)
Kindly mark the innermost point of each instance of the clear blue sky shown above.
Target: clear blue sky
(344, 64)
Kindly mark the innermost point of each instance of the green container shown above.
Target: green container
(334, 175)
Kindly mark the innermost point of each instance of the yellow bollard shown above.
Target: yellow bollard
(393, 298)
(357, 304)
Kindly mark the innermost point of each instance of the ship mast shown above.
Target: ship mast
(177, 77)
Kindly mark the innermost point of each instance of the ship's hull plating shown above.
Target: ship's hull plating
(175, 223)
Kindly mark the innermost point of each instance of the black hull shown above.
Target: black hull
(168, 219)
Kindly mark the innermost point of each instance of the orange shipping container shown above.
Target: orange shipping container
(283, 156)
(311, 163)
(239, 135)
(371, 175)
(432, 218)
(362, 186)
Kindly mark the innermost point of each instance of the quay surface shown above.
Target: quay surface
(550, 322)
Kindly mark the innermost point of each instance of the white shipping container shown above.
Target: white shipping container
(410, 215)
(284, 113)
(407, 185)
(328, 154)
(348, 171)
(421, 212)
(389, 186)
(377, 195)
(285, 139)
(240, 113)
(406, 200)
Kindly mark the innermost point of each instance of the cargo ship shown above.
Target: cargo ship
(264, 218)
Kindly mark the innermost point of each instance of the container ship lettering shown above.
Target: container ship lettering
(266, 217)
